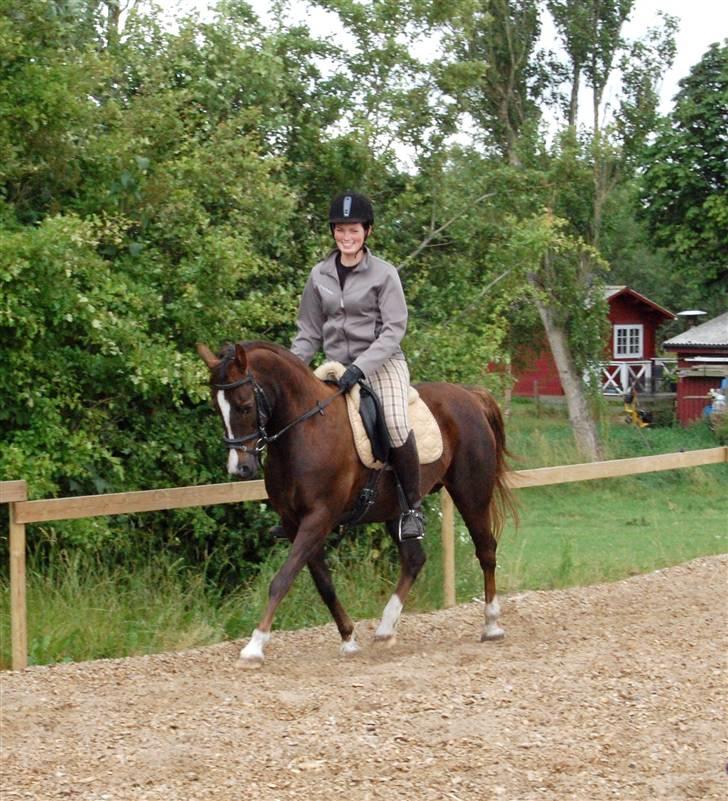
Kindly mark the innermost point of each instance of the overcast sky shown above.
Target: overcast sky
(702, 22)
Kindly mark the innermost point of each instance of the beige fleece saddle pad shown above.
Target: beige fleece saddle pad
(427, 432)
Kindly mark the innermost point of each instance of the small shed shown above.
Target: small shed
(629, 352)
(702, 363)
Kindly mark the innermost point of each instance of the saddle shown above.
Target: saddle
(371, 438)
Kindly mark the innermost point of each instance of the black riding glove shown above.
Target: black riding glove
(351, 375)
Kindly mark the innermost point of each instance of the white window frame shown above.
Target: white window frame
(634, 337)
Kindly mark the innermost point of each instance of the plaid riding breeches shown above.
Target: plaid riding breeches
(391, 383)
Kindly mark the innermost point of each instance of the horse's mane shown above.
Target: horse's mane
(252, 347)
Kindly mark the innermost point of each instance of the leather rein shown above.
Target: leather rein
(262, 413)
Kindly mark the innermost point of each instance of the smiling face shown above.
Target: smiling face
(350, 238)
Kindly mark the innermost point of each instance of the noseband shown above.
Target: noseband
(263, 411)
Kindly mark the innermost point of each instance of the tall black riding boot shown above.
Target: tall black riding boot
(406, 464)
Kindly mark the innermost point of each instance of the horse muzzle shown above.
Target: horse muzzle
(243, 465)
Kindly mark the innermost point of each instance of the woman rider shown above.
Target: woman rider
(354, 307)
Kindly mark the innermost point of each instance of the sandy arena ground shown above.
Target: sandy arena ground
(608, 692)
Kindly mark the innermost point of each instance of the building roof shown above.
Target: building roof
(710, 334)
(611, 292)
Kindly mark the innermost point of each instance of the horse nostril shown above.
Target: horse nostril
(245, 471)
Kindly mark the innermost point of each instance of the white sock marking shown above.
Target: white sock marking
(350, 646)
(254, 649)
(390, 618)
(492, 613)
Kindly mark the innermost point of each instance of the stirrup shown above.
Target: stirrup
(278, 532)
(411, 525)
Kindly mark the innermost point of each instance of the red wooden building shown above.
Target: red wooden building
(630, 352)
(702, 362)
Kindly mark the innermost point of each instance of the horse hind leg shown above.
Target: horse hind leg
(321, 576)
(492, 630)
(475, 514)
(485, 549)
(411, 559)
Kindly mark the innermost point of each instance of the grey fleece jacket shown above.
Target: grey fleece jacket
(361, 325)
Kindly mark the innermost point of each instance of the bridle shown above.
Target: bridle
(263, 411)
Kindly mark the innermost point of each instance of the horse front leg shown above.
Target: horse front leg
(411, 560)
(321, 576)
(309, 539)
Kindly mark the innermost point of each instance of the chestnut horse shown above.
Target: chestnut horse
(268, 398)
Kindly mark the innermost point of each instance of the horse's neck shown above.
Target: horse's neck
(290, 389)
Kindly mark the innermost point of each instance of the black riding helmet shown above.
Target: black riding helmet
(351, 207)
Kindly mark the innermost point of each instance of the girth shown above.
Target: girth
(365, 501)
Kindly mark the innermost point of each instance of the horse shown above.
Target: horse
(313, 475)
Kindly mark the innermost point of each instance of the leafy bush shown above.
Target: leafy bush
(140, 212)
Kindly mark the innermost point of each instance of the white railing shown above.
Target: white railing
(649, 375)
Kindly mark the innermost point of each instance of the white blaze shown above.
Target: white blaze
(222, 402)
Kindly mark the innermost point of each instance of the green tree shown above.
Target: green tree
(492, 71)
(590, 32)
(49, 75)
(148, 202)
(570, 179)
(684, 197)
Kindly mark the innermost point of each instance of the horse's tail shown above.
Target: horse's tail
(504, 501)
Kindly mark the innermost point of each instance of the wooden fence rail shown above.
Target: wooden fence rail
(23, 512)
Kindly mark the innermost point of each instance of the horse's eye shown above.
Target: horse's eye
(245, 408)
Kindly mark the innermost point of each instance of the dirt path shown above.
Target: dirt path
(607, 692)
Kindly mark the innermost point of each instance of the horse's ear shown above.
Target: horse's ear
(241, 358)
(207, 356)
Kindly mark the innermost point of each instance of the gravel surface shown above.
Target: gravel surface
(615, 691)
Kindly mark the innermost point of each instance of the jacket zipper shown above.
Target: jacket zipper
(343, 330)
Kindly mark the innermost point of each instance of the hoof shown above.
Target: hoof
(350, 648)
(493, 635)
(385, 640)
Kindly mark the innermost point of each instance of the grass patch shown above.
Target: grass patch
(596, 532)
(80, 609)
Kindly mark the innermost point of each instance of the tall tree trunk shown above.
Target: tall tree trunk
(580, 416)
(597, 172)
(574, 98)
